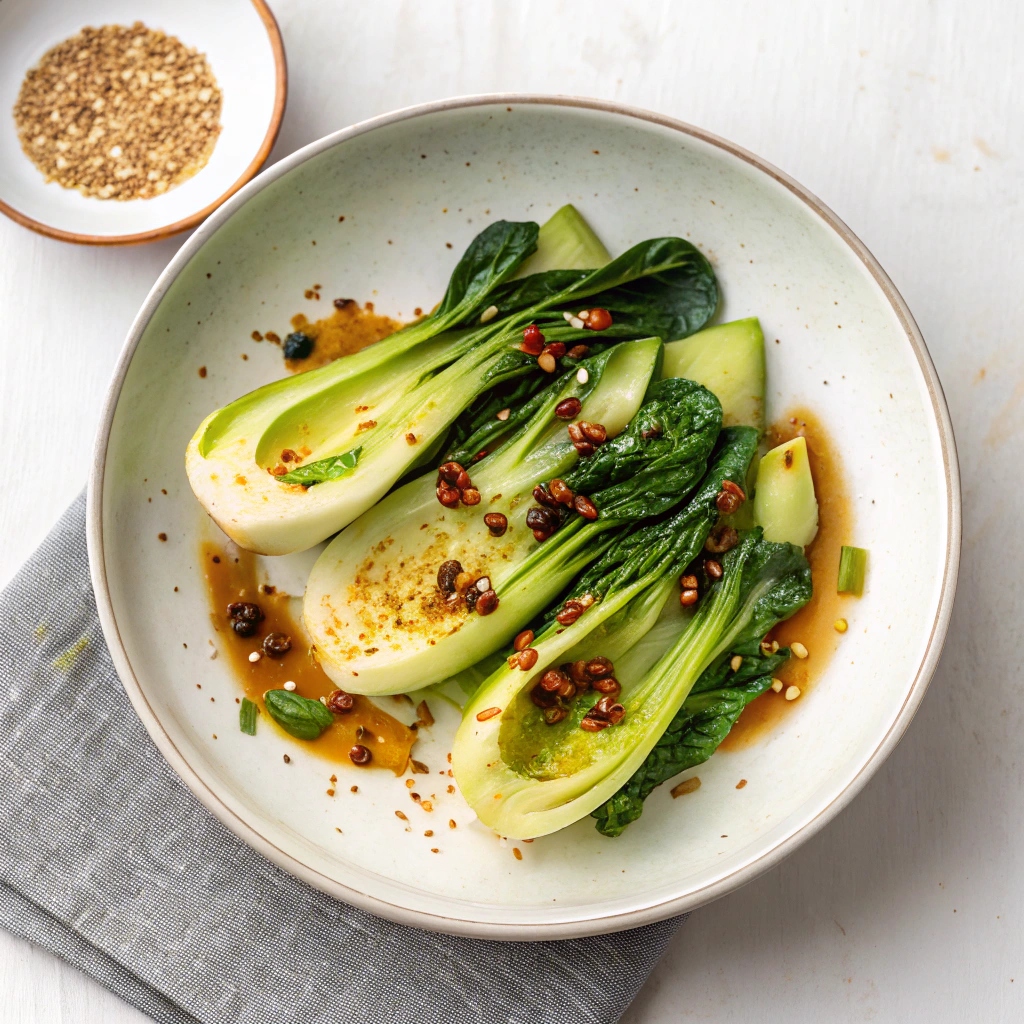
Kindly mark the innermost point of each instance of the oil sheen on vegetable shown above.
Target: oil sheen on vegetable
(231, 575)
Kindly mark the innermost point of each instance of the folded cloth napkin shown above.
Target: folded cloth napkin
(107, 860)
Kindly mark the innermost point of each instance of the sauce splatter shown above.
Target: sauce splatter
(348, 329)
(814, 624)
(231, 575)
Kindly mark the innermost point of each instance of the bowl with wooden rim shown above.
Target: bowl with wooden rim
(243, 48)
(379, 212)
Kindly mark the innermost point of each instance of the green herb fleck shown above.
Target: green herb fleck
(853, 567)
(304, 718)
(247, 717)
(333, 468)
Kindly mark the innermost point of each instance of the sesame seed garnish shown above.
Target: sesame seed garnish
(792, 692)
(582, 376)
(777, 685)
(568, 317)
(576, 322)
(488, 314)
(488, 713)
(798, 649)
(255, 656)
(289, 685)
(736, 662)
(517, 853)
(841, 625)
(504, 415)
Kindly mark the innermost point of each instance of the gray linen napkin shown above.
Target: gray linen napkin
(107, 860)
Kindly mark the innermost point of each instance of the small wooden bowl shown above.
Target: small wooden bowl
(241, 40)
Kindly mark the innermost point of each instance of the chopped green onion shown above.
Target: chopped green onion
(853, 564)
(247, 717)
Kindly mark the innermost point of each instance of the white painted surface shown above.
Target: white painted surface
(910, 906)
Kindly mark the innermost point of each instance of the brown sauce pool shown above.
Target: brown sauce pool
(348, 329)
(814, 624)
(231, 575)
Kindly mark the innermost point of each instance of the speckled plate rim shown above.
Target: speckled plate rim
(156, 234)
(592, 922)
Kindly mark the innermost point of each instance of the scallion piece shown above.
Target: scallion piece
(247, 717)
(853, 564)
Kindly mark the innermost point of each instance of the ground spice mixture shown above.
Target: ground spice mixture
(119, 112)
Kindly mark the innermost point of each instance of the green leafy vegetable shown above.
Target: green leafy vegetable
(701, 724)
(728, 360)
(525, 778)
(566, 240)
(304, 718)
(853, 567)
(247, 713)
(326, 469)
(402, 395)
(422, 637)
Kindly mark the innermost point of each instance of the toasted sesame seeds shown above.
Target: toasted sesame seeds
(841, 625)
(736, 662)
(487, 713)
(568, 317)
(488, 314)
(575, 321)
(792, 692)
(798, 649)
(517, 853)
(582, 376)
(777, 685)
(504, 415)
(289, 685)
(255, 656)
(546, 361)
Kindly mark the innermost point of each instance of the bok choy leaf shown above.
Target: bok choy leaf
(251, 463)
(526, 778)
(379, 620)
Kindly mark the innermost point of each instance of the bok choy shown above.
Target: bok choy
(376, 605)
(297, 460)
(525, 777)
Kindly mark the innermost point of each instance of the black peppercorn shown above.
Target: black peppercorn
(297, 345)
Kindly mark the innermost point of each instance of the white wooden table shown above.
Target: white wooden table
(907, 120)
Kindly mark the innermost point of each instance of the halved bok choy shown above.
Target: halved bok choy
(527, 773)
(284, 467)
(375, 608)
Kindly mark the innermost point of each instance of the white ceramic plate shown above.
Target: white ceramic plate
(408, 185)
(243, 45)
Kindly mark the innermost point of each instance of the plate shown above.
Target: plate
(243, 46)
(379, 212)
